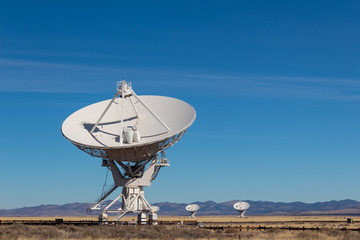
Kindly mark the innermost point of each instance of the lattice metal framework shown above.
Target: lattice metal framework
(135, 153)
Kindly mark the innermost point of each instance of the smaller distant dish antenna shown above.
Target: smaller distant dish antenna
(241, 207)
(155, 209)
(192, 208)
(153, 217)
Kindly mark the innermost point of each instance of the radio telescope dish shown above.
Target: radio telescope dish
(130, 133)
(192, 209)
(241, 207)
(129, 129)
(155, 209)
(153, 217)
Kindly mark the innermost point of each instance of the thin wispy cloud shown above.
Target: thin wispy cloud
(32, 53)
(40, 76)
(285, 86)
(4, 62)
(238, 136)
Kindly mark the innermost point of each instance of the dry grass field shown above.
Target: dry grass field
(25, 232)
(330, 229)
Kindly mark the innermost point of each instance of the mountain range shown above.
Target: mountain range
(343, 207)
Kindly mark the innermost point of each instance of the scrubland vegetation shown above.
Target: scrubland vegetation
(25, 232)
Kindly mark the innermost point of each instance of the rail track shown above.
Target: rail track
(240, 226)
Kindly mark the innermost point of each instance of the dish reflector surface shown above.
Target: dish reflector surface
(241, 205)
(105, 141)
(155, 209)
(192, 207)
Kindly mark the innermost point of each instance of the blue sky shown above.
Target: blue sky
(276, 87)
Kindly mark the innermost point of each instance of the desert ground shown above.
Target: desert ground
(330, 227)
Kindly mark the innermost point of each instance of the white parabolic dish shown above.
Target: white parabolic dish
(241, 205)
(155, 209)
(192, 207)
(104, 141)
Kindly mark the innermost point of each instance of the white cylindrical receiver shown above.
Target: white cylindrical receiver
(129, 135)
(137, 136)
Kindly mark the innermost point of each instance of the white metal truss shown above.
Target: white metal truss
(124, 91)
(132, 177)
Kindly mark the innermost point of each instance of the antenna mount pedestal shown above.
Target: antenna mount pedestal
(132, 179)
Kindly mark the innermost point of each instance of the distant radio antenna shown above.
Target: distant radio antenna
(153, 217)
(192, 209)
(241, 207)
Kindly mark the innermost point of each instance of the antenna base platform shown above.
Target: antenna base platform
(132, 179)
